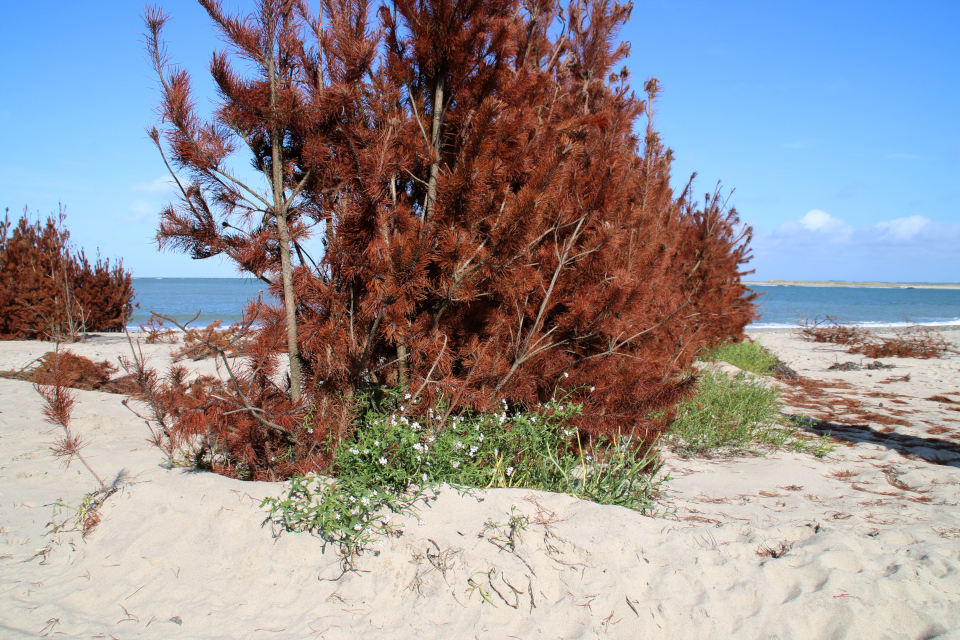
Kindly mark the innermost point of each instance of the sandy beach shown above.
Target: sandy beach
(863, 543)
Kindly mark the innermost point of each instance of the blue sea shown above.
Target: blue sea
(781, 306)
(220, 299)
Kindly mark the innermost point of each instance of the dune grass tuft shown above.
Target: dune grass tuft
(748, 355)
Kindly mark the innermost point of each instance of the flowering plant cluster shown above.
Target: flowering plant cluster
(393, 457)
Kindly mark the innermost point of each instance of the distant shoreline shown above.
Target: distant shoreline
(843, 283)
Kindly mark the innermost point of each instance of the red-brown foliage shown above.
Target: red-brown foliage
(74, 371)
(156, 332)
(58, 406)
(197, 342)
(912, 342)
(47, 291)
(494, 229)
(830, 330)
(244, 426)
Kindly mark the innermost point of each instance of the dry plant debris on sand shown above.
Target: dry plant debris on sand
(864, 543)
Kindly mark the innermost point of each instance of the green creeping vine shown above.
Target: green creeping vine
(391, 460)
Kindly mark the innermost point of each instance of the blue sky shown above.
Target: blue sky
(837, 124)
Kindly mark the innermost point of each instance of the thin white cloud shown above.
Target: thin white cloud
(158, 187)
(817, 222)
(903, 229)
(820, 246)
(140, 211)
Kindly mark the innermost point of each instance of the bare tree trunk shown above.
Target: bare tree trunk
(402, 364)
(280, 212)
(435, 141)
(289, 304)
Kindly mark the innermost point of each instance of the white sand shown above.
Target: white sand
(858, 557)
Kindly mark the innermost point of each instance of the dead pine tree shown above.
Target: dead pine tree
(59, 401)
(50, 291)
(495, 230)
(218, 213)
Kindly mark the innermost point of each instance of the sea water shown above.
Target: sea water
(223, 299)
(785, 306)
(208, 299)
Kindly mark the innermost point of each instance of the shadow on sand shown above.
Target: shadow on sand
(934, 450)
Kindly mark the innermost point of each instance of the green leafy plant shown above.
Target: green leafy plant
(390, 460)
(84, 517)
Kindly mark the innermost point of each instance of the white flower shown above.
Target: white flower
(406, 396)
(509, 471)
(376, 443)
(382, 461)
(424, 477)
(309, 430)
(354, 452)
(458, 445)
(455, 464)
(365, 502)
(592, 389)
(566, 375)
(366, 450)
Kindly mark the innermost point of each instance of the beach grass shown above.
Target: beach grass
(730, 415)
(736, 415)
(747, 355)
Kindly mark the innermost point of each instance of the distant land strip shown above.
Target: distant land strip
(845, 283)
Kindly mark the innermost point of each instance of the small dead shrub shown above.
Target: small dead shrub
(830, 329)
(157, 333)
(912, 342)
(49, 291)
(75, 371)
(774, 550)
(199, 344)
